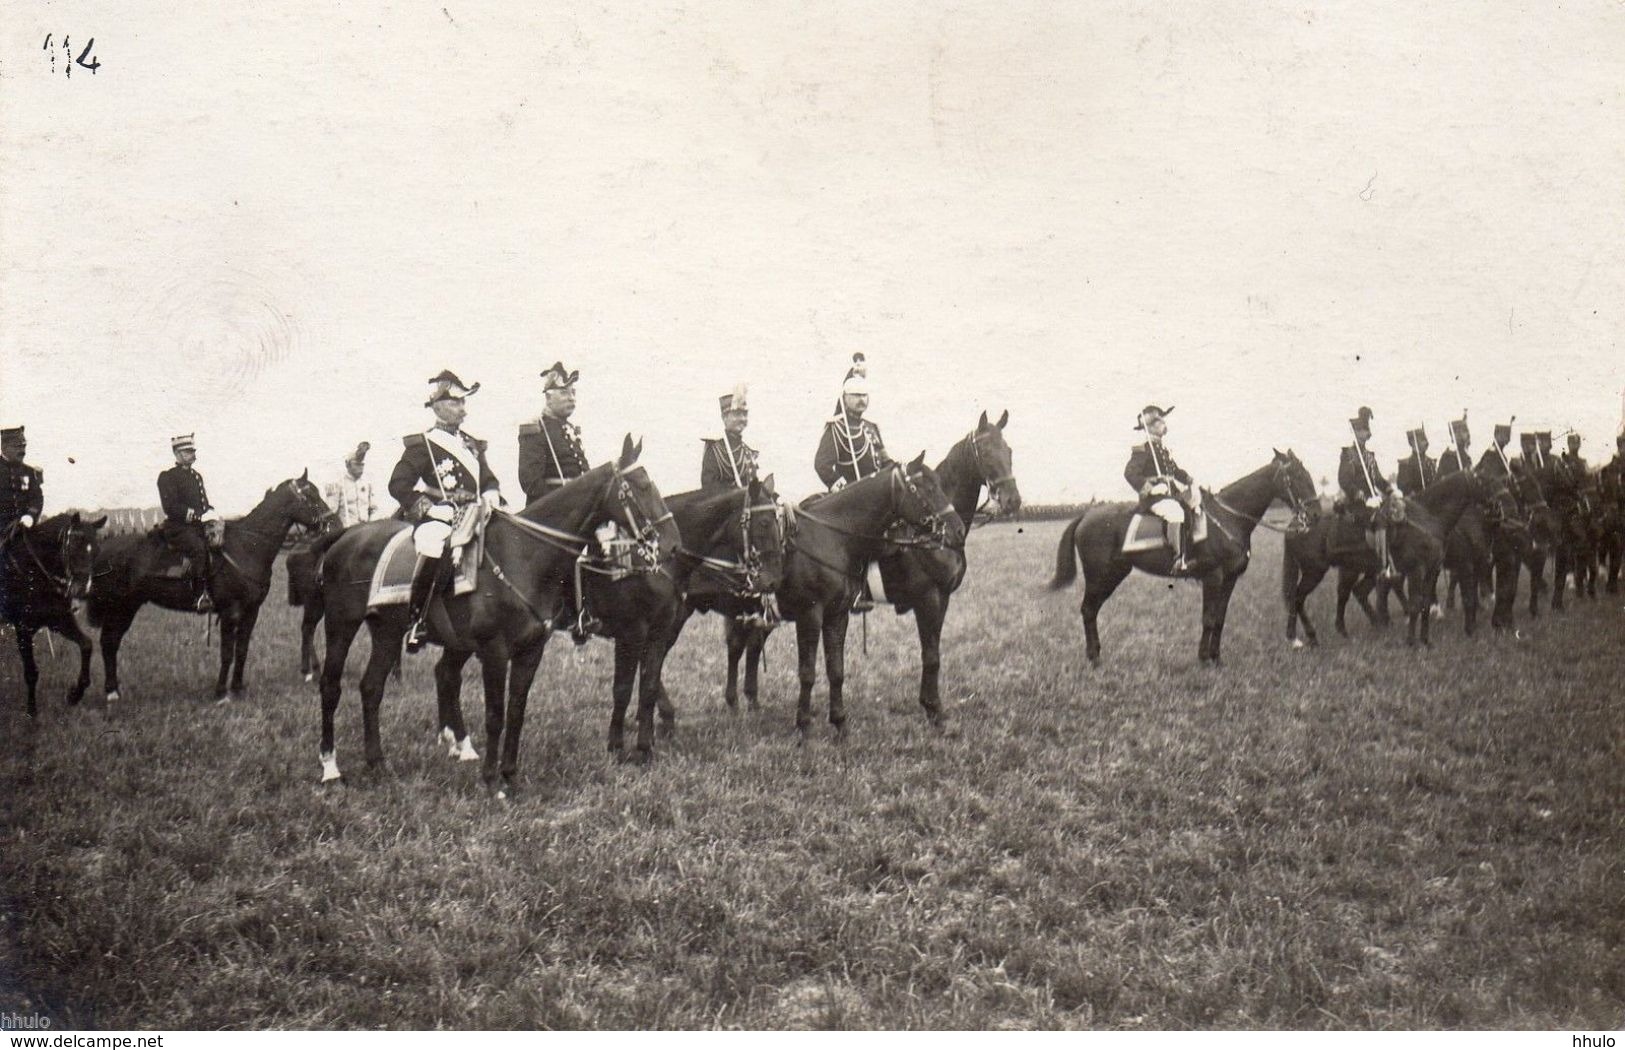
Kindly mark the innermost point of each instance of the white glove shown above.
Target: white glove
(209, 515)
(26, 521)
(1374, 502)
(840, 483)
(492, 498)
(440, 512)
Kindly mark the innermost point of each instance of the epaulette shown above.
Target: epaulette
(529, 429)
(417, 438)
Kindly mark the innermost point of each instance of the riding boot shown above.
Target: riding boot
(1388, 570)
(425, 581)
(203, 584)
(1176, 533)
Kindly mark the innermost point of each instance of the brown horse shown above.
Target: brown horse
(832, 540)
(131, 571)
(1096, 539)
(43, 571)
(528, 560)
(918, 580)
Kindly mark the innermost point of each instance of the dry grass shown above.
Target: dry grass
(1363, 836)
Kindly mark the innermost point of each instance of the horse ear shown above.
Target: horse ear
(1278, 455)
(1005, 418)
(981, 424)
(99, 522)
(306, 475)
(629, 454)
(918, 461)
(767, 483)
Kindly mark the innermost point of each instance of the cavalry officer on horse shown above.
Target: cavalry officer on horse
(22, 487)
(1494, 462)
(1164, 488)
(850, 449)
(1572, 461)
(191, 524)
(441, 475)
(1416, 471)
(729, 463)
(1456, 457)
(1364, 487)
(351, 496)
(550, 451)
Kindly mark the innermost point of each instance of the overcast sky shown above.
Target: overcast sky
(270, 224)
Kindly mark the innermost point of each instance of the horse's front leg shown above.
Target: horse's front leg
(114, 626)
(69, 629)
(386, 637)
(25, 649)
(650, 690)
(735, 637)
(1210, 619)
(521, 673)
(245, 634)
(228, 649)
(809, 631)
(1226, 588)
(756, 641)
(929, 615)
(835, 667)
(627, 653)
(339, 637)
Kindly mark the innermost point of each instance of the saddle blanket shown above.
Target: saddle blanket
(1147, 532)
(392, 578)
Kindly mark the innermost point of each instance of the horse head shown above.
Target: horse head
(302, 502)
(78, 541)
(1296, 488)
(762, 532)
(636, 503)
(924, 505)
(995, 464)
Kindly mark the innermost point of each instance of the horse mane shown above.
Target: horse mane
(531, 511)
(840, 497)
(1245, 479)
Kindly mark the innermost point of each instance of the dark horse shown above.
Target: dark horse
(833, 538)
(304, 568)
(920, 580)
(730, 562)
(528, 560)
(130, 572)
(1415, 543)
(1096, 539)
(43, 571)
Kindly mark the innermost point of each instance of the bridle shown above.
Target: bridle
(932, 527)
(981, 515)
(1289, 496)
(744, 577)
(64, 581)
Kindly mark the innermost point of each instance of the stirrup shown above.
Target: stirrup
(584, 627)
(204, 603)
(415, 635)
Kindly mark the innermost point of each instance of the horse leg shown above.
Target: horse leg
(494, 673)
(307, 638)
(339, 636)
(68, 628)
(25, 649)
(736, 638)
(1226, 588)
(651, 664)
(1560, 572)
(245, 633)
(1098, 587)
(1469, 605)
(448, 699)
(835, 669)
(114, 625)
(228, 642)
(1345, 586)
(1309, 576)
(521, 672)
(809, 629)
(386, 639)
(929, 615)
(626, 670)
(756, 640)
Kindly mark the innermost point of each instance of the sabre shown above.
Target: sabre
(1359, 452)
(1421, 464)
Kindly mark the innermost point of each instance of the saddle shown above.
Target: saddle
(391, 582)
(169, 561)
(1147, 532)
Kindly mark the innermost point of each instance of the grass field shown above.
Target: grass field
(1360, 836)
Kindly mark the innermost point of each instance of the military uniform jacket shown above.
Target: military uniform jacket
(550, 454)
(181, 492)
(1352, 479)
(438, 466)
(1417, 474)
(1449, 463)
(21, 492)
(1142, 466)
(1575, 466)
(727, 464)
(1495, 463)
(850, 452)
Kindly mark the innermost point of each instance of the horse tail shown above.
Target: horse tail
(1066, 556)
(1290, 572)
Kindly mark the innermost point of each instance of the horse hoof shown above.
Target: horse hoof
(74, 697)
(309, 677)
(1299, 643)
(113, 697)
(330, 769)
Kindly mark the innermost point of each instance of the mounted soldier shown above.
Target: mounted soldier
(22, 487)
(550, 451)
(1416, 471)
(1364, 487)
(727, 462)
(191, 524)
(1457, 457)
(441, 478)
(1495, 462)
(1573, 461)
(850, 448)
(1164, 488)
(351, 496)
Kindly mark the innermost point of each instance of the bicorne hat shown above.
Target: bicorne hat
(1149, 413)
(447, 385)
(557, 377)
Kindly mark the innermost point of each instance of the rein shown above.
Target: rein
(63, 582)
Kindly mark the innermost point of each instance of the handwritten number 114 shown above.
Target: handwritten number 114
(86, 60)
